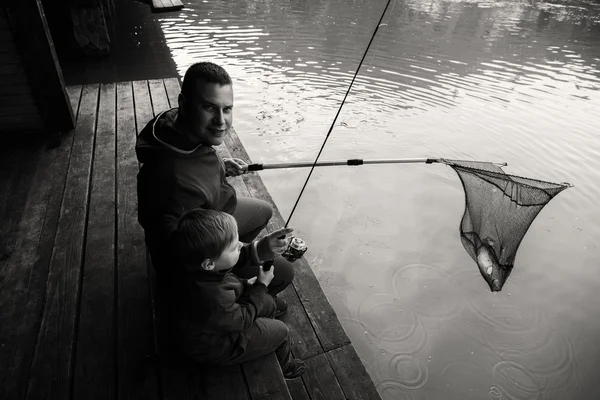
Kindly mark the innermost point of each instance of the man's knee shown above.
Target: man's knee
(267, 211)
(284, 270)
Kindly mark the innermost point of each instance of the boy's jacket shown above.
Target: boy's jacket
(214, 310)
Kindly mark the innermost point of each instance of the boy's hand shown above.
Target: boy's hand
(273, 244)
(265, 277)
(235, 166)
(251, 281)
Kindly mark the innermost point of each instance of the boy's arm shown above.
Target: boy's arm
(248, 255)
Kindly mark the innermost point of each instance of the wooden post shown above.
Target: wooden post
(36, 48)
(90, 28)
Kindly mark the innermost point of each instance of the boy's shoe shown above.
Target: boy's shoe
(295, 368)
(281, 306)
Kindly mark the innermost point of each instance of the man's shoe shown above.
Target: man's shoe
(295, 368)
(281, 306)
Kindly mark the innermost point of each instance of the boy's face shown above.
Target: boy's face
(230, 255)
(209, 112)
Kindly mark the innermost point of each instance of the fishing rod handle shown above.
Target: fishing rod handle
(267, 265)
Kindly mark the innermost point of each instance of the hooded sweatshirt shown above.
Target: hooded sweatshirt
(176, 176)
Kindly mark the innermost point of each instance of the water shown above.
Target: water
(509, 81)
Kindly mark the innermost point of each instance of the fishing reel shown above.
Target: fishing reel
(295, 249)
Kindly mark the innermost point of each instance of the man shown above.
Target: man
(181, 171)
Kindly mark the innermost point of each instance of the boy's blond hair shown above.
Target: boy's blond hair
(200, 234)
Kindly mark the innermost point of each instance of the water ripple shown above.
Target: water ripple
(428, 291)
(393, 389)
(390, 324)
(516, 382)
(499, 310)
(411, 373)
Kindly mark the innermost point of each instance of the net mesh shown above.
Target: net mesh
(498, 212)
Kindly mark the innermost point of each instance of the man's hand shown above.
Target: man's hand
(271, 245)
(235, 166)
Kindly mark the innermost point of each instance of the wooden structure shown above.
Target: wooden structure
(166, 5)
(32, 89)
(77, 318)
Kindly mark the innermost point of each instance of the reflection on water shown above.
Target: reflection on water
(514, 81)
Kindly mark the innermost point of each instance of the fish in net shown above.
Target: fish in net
(499, 208)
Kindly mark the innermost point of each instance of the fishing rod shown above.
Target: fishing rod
(350, 162)
(267, 265)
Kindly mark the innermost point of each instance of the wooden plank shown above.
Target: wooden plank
(136, 379)
(320, 380)
(22, 99)
(24, 277)
(95, 364)
(158, 94)
(173, 88)
(265, 379)
(184, 381)
(51, 368)
(23, 110)
(143, 108)
(351, 374)
(297, 389)
(305, 343)
(14, 121)
(19, 229)
(33, 39)
(166, 5)
(321, 315)
(15, 87)
(15, 171)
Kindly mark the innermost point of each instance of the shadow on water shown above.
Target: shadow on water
(138, 49)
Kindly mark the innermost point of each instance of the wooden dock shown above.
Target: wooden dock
(77, 317)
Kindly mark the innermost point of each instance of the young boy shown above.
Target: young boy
(222, 319)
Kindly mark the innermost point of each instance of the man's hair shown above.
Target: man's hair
(200, 234)
(206, 72)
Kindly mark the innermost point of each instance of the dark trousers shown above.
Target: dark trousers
(252, 216)
(266, 335)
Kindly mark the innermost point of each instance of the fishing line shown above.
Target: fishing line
(338, 113)
(380, 39)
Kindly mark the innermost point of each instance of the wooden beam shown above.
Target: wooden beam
(265, 379)
(321, 382)
(166, 5)
(351, 374)
(51, 370)
(23, 273)
(30, 29)
(95, 364)
(137, 377)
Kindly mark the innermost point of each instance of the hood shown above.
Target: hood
(160, 139)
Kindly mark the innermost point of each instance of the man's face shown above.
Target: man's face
(209, 112)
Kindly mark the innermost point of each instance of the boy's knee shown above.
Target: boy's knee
(280, 329)
(276, 330)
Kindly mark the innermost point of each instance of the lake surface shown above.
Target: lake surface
(510, 81)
